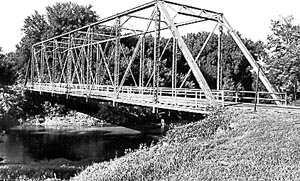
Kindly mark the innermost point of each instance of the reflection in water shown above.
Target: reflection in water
(95, 144)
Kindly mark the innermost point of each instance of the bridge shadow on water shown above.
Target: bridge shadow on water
(127, 127)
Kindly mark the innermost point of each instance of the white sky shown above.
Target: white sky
(251, 18)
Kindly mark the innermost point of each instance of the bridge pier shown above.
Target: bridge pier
(114, 104)
(154, 110)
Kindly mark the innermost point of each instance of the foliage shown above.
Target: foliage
(1, 54)
(7, 72)
(35, 28)
(59, 18)
(53, 170)
(236, 73)
(203, 129)
(284, 47)
(64, 17)
(11, 109)
(16, 107)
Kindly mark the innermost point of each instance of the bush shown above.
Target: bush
(217, 119)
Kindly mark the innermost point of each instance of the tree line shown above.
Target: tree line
(279, 55)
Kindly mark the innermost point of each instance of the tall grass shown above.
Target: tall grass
(239, 145)
(174, 152)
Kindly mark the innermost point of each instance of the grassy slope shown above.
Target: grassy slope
(39, 171)
(248, 146)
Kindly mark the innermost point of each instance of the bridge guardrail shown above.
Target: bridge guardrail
(196, 95)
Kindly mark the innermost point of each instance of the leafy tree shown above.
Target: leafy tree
(64, 17)
(7, 73)
(236, 71)
(284, 47)
(1, 54)
(34, 28)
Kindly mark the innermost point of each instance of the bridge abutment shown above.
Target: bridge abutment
(154, 110)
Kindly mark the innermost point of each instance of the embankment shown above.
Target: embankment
(234, 145)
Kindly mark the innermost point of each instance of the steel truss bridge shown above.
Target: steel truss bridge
(110, 60)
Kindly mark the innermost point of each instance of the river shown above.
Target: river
(27, 144)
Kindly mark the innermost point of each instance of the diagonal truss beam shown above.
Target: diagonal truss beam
(188, 56)
(199, 54)
(135, 52)
(106, 65)
(250, 59)
(130, 71)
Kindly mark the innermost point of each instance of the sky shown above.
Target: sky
(251, 18)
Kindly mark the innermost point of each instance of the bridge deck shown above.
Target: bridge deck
(188, 100)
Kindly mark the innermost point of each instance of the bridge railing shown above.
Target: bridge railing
(249, 97)
(189, 96)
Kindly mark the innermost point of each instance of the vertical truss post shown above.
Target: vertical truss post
(32, 65)
(97, 64)
(219, 74)
(53, 67)
(174, 66)
(142, 59)
(58, 61)
(188, 56)
(69, 63)
(53, 62)
(27, 72)
(117, 55)
(156, 54)
(36, 66)
(69, 66)
(88, 58)
(82, 66)
(42, 64)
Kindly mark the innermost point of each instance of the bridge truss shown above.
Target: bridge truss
(113, 53)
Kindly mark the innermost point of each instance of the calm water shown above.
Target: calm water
(23, 145)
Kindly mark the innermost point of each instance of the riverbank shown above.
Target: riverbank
(234, 145)
(17, 108)
(11, 107)
(70, 118)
